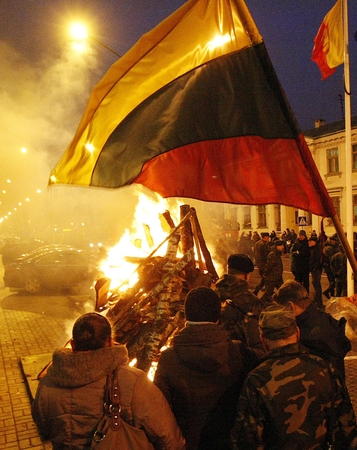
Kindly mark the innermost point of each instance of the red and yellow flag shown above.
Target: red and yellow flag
(195, 110)
(328, 48)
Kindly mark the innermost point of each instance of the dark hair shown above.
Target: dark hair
(292, 291)
(202, 304)
(91, 332)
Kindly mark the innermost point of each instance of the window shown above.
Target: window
(247, 220)
(262, 216)
(354, 156)
(336, 204)
(332, 161)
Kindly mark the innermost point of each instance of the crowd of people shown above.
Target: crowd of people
(245, 372)
(310, 257)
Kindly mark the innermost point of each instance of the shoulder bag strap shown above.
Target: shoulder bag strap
(114, 401)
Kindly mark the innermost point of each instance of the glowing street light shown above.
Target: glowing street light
(79, 33)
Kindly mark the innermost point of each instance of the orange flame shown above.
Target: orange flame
(146, 232)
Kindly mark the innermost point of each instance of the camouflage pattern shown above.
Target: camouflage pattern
(261, 252)
(234, 316)
(273, 275)
(330, 249)
(338, 264)
(291, 401)
(274, 267)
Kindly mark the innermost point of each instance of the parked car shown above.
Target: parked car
(52, 268)
(12, 248)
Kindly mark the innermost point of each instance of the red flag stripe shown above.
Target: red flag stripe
(263, 171)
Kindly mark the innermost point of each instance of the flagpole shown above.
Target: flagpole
(348, 152)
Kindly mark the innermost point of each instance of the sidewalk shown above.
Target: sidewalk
(25, 334)
(30, 326)
(22, 334)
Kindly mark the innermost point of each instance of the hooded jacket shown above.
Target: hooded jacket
(324, 336)
(69, 399)
(201, 376)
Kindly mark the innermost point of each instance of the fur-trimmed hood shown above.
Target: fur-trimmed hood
(73, 369)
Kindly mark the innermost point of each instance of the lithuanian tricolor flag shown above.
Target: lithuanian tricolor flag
(195, 110)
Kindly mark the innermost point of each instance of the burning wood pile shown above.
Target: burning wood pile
(148, 314)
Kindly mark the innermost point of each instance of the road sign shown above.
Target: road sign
(302, 220)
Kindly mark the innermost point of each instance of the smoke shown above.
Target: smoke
(41, 107)
(42, 104)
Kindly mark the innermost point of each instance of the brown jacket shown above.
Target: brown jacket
(69, 400)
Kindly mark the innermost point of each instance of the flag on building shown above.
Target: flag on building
(328, 48)
(195, 110)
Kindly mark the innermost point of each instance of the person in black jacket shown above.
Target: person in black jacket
(323, 335)
(202, 373)
(300, 255)
(315, 266)
(273, 272)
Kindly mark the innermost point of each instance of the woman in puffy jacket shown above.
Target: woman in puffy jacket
(69, 399)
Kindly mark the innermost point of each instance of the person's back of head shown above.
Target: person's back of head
(91, 331)
(292, 291)
(202, 304)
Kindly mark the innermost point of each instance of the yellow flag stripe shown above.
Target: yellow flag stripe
(198, 32)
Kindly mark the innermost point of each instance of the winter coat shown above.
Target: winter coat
(274, 267)
(293, 400)
(315, 261)
(261, 252)
(201, 376)
(240, 303)
(338, 264)
(330, 249)
(300, 255)
(324, 336)
(69, 399)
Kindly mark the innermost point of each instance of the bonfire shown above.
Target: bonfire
(148, 313)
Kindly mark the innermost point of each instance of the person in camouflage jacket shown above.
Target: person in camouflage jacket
(273, 272)
(292, 399)
(338, 266)
(329, 249)
(240, 307)
(261, 252)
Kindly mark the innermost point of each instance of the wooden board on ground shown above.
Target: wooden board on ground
(31, 367)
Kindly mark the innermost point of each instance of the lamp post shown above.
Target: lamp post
(79, 33)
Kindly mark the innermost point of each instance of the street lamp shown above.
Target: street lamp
(79, 33)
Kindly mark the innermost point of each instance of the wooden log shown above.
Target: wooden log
(179, 266)
(187, 241)
(163, 306)
(206, 253)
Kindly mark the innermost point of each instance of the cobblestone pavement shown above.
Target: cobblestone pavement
(36, 326)
(26, 333)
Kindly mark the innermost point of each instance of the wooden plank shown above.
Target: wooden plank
(31, 367)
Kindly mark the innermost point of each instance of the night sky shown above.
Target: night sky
(38, 29)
